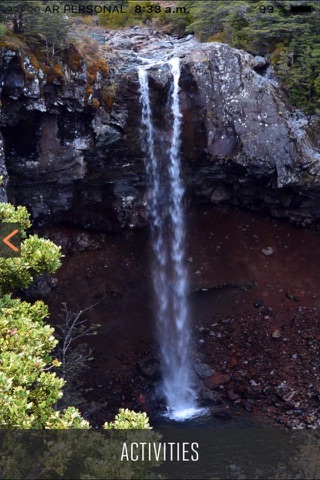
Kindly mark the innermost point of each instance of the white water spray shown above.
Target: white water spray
(168, 242)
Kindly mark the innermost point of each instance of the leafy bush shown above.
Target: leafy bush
(127, 419)
(29, 389)
(84, 454)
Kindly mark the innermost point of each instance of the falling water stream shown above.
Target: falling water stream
(170, 274)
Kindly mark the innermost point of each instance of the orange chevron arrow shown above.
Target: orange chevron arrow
(7, 238)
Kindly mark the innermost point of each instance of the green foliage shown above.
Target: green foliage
(3, 30)
(11, 13)
(299, 69)
(49, 30)
(84, 454)
(139, 431)
(38, 255)
(32, 21)
(28, 390)
(127, 419)
(9, 213)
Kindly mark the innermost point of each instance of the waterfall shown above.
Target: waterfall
(165, 205)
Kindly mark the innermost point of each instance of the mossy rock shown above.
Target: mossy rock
(73, 59)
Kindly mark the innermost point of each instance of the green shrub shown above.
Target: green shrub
(29, 388)
(126, 419)
(3, 30)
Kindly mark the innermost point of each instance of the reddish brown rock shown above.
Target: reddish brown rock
(233, 361)
(216, 380)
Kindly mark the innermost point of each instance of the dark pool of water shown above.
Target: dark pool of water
(244, 446)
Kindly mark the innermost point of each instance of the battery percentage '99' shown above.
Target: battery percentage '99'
(266, 9)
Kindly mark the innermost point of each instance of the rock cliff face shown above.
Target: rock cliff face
(250, 147)
(71, 159)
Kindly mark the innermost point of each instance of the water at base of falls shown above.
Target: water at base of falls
(181, 415)
(168, 242)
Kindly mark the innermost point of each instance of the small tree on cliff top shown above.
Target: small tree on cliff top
(36, 23)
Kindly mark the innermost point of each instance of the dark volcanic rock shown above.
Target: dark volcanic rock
(203, 370)
(222, 415)
(245, 120)
(258, 63)
(68, 161)
(245, 144)
(150, 368)
(207, 398)
(258, 303)
(41, 287)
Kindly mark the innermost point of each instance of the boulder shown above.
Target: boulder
(203, 370)
(216, 380)
(258, 62)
